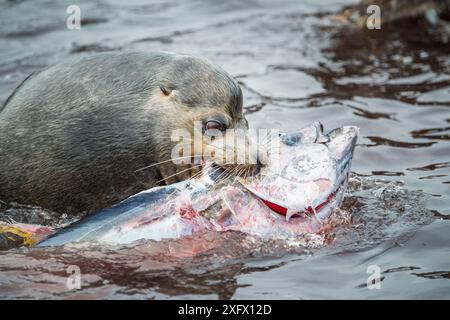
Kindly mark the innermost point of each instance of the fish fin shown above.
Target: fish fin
(19, 235)
(13, 237)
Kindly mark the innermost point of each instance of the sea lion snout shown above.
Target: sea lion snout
(235, 150)
(212, 107)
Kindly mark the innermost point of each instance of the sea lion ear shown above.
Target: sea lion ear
(342, 141)
(166, 90)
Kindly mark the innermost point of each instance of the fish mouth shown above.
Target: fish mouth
(282, 209)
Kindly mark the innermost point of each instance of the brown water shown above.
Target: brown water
(295, 67)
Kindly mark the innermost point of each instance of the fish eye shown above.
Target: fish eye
(290, 139)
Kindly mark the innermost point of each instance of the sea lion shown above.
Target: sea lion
(82, 135)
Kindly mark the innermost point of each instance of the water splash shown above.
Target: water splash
(380, 210)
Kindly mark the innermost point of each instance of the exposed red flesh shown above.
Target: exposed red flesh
(309, 211)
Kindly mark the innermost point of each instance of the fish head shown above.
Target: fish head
(306, 174)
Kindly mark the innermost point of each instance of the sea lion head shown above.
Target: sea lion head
(201, 108)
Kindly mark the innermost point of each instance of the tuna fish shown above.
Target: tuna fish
(292, 195)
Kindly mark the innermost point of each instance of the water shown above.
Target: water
(295, 67)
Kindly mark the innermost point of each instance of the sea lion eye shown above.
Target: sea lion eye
(214, 125)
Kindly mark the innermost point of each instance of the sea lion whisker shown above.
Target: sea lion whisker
(223, 175)
(177, 173)
(161, 162)
(217, 147)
